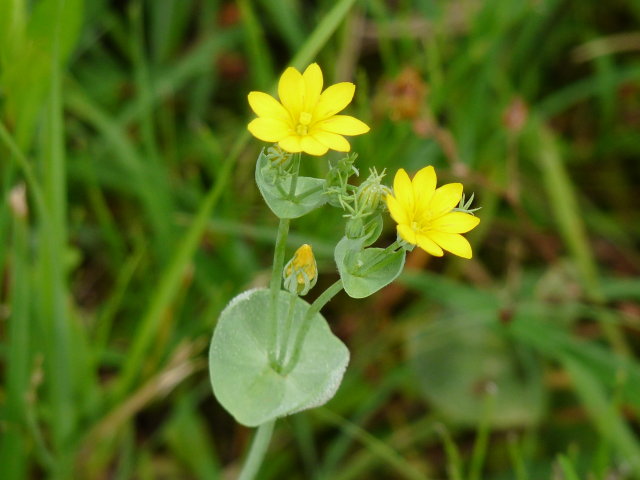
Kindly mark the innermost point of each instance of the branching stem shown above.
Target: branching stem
(284, 344)
(315, 307)
(276, 272)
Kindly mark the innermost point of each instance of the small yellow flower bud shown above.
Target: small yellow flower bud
(300, 273)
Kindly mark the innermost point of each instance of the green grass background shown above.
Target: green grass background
(129, 217)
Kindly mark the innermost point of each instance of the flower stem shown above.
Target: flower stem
(286, 331)
(276, 280)
(276, 272)
(315, 307)
(306, 193)
(294, 178)
(258, 449)
(381, 255)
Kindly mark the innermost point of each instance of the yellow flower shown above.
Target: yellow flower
(300, 273)
(305, 119)
(425, 215)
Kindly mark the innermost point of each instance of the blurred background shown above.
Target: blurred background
(130, 217)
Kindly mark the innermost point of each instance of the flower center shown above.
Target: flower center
(419, 227)
(303, 123)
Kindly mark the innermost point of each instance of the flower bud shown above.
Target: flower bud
(275, 169)
(354, 228)
(341, 170)
(278, 157)
(301, 272)
(370, 193)
(337, 179)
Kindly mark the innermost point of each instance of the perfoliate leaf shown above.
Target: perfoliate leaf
(241, 375)
(277, 196)
(364, 271)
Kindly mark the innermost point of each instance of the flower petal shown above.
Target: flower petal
(429, 246)
(291, 144)
(269, 129)
(455, 222)
(334, 99)
(312, 77)
(291, 91)
(407, 233)
(266, 106)
(452, 242)
(312, 146)
(424, 184)
(343, 125)
(398, 213)
(332, 140)
(445, 198)
(403, 191)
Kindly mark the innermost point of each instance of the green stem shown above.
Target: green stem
(281, 190)
(305, 194)
(13, 446)
(60, 370)
(287, 330)
(294, 179)
(320, 302)
(258, 449)
(27, 171)
(569, 217)
(479, 453)
(376, 260)
(315, 307)
(276, 272)
(276, 281)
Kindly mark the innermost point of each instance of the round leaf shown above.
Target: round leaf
(277, 196)
(241, 375)
(365, 271)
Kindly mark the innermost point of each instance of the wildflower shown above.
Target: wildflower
(305, 119)
(300, 273)
(427, 217)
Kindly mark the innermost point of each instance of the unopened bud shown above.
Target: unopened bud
(275, 169)
(354, 228)
(370, 193)
(341, 170)
(301, 272)
(278, 157)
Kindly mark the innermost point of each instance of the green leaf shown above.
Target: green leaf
(27, 50)
(278, 198)
(604, 412)
(365, 271)
(241, 374)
